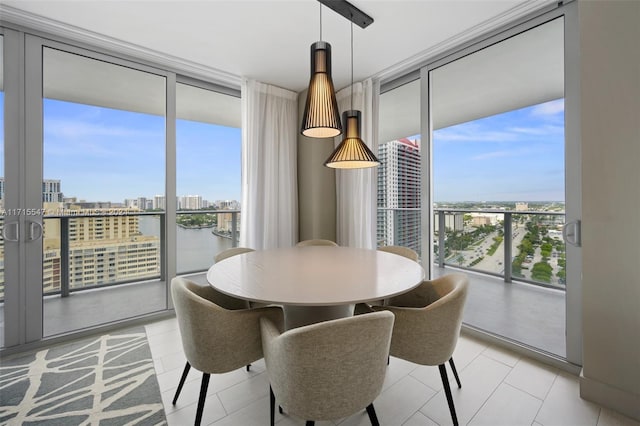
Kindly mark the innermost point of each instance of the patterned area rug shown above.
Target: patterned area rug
(106, 380)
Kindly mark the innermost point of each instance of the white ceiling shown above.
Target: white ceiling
(526, 69)
(269, 40)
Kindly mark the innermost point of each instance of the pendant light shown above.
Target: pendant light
(352, 153)
(321, 117)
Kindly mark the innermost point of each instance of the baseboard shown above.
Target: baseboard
(522, 349)
(607, 396)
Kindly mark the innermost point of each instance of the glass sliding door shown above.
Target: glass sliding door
(498, 173)
(208, 142)
(12, 323)
(103, 162)
(2, 180)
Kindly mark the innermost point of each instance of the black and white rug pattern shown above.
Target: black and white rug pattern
(105, 380)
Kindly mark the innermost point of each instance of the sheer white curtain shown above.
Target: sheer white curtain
(269, 173)
(356, 190)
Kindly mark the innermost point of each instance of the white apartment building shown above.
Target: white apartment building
(102, 250)
(159, 202)
(399, 194)
(190, 202)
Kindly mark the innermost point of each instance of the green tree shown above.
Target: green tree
(542, 271)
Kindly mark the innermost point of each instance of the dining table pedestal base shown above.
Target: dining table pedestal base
(299, 316)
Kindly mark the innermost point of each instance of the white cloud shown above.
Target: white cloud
(545, 130)
(471, 132)
(79, 129)
(494, 154)
(549, 108)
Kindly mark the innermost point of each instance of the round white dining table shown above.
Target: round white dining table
(315, 283)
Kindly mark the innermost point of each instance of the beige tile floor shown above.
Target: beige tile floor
(499, 387)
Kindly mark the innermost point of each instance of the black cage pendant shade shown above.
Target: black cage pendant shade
(321, 118)
(352, 153)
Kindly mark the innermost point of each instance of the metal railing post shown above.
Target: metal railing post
(441, 233)
(234, 229)
(64, 257)
(163, 247)
(508, 244)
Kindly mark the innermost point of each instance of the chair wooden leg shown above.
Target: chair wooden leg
(372, 415)
(455, 372)
(185, 372)
(447, 391)
(203, 395)
(272, 406)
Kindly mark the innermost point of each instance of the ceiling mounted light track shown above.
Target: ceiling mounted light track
(349, 11)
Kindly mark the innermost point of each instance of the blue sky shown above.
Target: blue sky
(102, 154)
(515, 156)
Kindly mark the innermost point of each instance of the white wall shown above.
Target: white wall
(610, 127)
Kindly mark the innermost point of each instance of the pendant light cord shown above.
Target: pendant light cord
(351, 61)
(320, 21)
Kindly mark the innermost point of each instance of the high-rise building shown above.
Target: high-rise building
(228, 205)
(141, 203)
(190, 202)
(50, 191)
(159, 202)
(399, 194)
(130, 203)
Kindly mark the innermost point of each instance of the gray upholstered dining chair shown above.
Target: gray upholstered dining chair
(327, 370)
(402, 251)
(231, 252)
(218, 333)
(363, 308)
(427, 325)
(316, 242)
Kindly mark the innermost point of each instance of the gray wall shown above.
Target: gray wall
(316, 186)
(610, 128)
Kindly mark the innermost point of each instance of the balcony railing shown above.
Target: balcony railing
(202, 234)
(94, 249)
(525, 246)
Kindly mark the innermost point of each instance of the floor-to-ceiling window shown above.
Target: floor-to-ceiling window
(2, 189)
(485, 126)
(92, 159)
(103, 161)
(498, 175)
(208, 142)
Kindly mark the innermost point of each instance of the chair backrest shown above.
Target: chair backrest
(231, 252)
(402, 251)
(428, 334)
(316, 242)
(331, 369)
(215, 339)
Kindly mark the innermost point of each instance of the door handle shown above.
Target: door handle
(5, 234)
(571, 233)
(35, 231)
